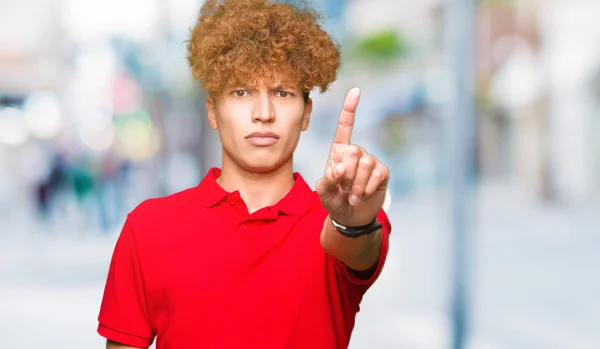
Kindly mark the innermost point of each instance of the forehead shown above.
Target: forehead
(281, 77)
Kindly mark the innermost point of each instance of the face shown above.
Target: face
(260, 123)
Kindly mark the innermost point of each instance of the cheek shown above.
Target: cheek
(292, 115)
(231, 120)
(293, 131)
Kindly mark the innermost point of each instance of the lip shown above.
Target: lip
(262, 138)
(263, 135)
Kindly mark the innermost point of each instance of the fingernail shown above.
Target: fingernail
(353, 200)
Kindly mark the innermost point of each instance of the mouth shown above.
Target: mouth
(262, 138)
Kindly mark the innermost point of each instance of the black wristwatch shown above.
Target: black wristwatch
(354, 232)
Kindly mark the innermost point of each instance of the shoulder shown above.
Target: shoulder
(157, 211)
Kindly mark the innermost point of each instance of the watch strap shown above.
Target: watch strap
(354, 232)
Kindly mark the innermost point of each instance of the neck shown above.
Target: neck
(257, 189)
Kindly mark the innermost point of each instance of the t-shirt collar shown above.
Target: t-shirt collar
(296, 201)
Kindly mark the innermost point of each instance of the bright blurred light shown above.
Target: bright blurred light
(43, 115)
(503, 46)
(13, 130)
(98, 138)
(519, 81)
(137, 139)
(88, 19)
(134, 128)
(387, 202)
(127, 96)
(141, 150)
(94, 119)
(95, 67)
(96, 129)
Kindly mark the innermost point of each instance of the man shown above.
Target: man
(252, 257)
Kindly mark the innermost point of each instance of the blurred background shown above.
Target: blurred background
(98, 112)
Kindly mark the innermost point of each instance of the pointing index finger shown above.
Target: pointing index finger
(346, 120)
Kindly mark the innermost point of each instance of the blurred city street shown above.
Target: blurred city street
(535, 283)
(99, 111)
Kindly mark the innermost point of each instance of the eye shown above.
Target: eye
(283, 94)
(239, 93)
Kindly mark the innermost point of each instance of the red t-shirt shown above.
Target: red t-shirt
(195, 270)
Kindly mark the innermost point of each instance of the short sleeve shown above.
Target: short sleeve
(124, 313)
(362, 285)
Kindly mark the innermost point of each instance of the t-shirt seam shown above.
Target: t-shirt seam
(141, 272)
(103, 325)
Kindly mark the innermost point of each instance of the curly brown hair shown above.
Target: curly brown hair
(238, 40)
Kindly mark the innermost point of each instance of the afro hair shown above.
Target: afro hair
(236, 41)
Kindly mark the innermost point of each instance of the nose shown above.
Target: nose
(263, 109)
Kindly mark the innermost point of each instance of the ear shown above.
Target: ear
(212, 113)
(307, 112)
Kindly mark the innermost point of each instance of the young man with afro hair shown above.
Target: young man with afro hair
(252, 257)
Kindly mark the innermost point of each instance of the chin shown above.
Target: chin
(260, 165)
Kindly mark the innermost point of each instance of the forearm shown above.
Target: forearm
(114, 345)
(358, 254)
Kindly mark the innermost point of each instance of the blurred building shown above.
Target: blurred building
(537, 114)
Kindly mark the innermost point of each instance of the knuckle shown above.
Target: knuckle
(365, 162)
(374, 161)
(381, 170)
(345, 123)
(353, 150)
(358, 190)
(386, 171)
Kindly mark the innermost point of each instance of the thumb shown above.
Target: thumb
(328, 184)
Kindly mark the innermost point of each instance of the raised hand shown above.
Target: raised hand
(354, 185)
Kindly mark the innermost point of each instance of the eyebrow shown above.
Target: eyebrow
(243, 86)
(283, 86)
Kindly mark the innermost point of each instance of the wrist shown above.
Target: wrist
(353, 219)
(355, 231)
